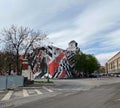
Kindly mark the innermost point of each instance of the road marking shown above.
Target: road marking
(118, 99)
(47, 89)
(7, 96)
(25, 93)
(38, 92)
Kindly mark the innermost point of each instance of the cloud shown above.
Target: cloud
(104, 57)
(97, 17)
(34, 13)
(96, 29)
(112, 40)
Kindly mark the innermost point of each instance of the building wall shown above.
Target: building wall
(26, 70)
(52, 62)
(113, 64)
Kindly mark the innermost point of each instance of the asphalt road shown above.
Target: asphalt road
(81, 93)
(99, 97)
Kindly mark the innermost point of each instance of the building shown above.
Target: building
(52, 62)
(113, 64)
(73, 46)
(102, 69)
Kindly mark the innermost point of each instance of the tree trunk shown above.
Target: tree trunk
(9, 71)
(17, 62)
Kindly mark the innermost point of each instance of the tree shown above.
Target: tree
(92, 64)
(1, 62)
(79, 62)
(21, 40)
(85, 63)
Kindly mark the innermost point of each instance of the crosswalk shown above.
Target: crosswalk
(7, 96)
(25, 92)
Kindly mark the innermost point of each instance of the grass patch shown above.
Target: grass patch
(44, 82)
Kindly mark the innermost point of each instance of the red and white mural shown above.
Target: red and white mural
(52, 62)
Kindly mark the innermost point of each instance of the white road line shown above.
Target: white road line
(47, 89)
(25, 93)
(118, 99)
(38, 92)
(7, 96)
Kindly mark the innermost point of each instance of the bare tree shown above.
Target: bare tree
(21, 40)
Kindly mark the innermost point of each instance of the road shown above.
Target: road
(101, 97)
(88, 93)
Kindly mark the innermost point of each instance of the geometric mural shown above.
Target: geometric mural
(53, 62)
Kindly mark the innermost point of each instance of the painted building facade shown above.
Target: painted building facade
(53, 62)
(113, 64)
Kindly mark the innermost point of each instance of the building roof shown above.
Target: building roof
(73, 41)
(114, 56)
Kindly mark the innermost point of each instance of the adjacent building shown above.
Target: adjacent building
(113, 64)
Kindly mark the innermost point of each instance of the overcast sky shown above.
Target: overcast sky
(93, 24)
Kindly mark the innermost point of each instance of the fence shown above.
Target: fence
(10, 82)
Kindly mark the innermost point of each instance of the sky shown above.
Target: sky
(93, 24)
